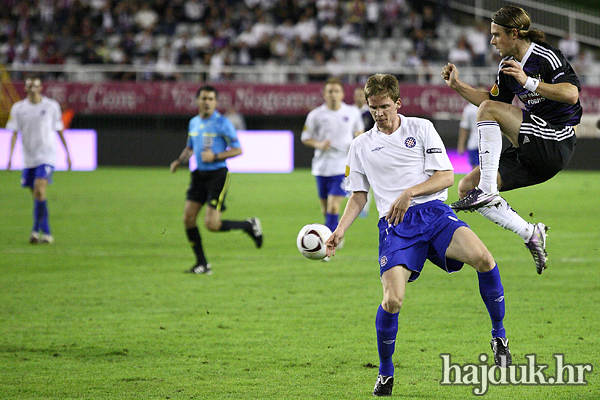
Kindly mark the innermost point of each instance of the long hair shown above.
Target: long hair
(382, 85)
(513, 17)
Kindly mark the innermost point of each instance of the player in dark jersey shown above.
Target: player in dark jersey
(542, 135)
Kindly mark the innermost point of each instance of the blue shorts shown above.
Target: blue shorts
(473, 157)
(29, 175)
(330, 186)
(424, 234)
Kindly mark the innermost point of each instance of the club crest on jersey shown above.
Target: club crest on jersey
(410, 142)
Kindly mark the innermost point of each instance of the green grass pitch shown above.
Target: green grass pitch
(107, 313)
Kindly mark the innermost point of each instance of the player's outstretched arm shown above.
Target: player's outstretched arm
(469, 93)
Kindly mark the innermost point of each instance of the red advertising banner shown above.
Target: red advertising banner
(249, 99)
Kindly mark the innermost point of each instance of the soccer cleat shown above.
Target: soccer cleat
(256, 233)
(34, 237)
(537, 246)
(46, 238)
(383, 386)
(201, 269)
(475, 199)
(502, 355)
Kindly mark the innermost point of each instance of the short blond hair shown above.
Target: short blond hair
(384, 85)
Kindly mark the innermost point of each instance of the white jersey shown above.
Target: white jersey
(469, 122)
(38, 124)
(337, 126)
(390, 164)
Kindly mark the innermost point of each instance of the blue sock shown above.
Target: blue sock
(331, 221)
(492, 293)
(37, 213)
(42, 216)
(387, 329)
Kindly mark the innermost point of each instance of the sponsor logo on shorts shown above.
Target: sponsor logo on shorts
(383, 261)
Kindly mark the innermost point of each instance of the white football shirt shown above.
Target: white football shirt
(38, 124)
(337, 126)
(469, 122)
(390, 164)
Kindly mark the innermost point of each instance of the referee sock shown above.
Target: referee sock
(229, 225)
(331, 221)
(193, 235)
(508, 218)
(490, 146)
(387, 328)
(492, 293)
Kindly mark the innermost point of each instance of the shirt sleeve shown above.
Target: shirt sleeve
(188, 142)
(501, 90)
(560, 71)
(230, 134)
(58, 122)
(436, 158)
(309, 127)
(356, 180)
(13, 124)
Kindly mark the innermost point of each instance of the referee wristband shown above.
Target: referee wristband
(531, 84)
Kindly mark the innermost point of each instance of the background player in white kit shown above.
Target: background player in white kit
(330, 128)
(467, 135)
(404, 161)
(38, 118)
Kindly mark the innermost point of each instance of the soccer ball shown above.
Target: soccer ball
(311, 241)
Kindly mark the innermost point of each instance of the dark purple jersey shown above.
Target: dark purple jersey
(547, 64)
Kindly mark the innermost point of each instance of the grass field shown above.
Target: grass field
(107, 313)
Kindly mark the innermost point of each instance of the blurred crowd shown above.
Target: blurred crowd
(165, 34)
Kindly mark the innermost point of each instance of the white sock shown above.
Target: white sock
(490, 146)
(508, 218)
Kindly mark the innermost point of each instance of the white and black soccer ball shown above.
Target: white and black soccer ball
(311, 241)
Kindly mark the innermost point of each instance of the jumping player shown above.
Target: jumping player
(542, 135)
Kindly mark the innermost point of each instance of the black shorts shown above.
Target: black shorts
(544, 150)
(209, 187)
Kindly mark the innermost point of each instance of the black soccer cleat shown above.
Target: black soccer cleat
(200, 269)
(476, 198)
(256, 233)
(502, 355)
(383, 386)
